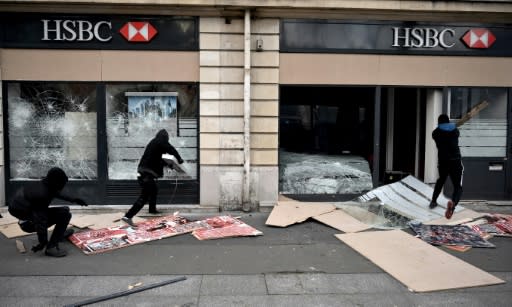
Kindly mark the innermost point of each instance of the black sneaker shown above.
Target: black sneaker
(155, 212)
(128, 221)
(432, 205)
(55, 252)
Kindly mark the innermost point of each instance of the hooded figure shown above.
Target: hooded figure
(32, 207)
(151, 167)
(446, 136)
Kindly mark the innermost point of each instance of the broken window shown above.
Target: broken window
(52, 124)
(136, 112)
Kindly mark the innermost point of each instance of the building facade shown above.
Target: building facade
(310, 98)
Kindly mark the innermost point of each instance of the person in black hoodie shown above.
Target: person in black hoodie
(32, 207)
(446, 136)
(151, 167)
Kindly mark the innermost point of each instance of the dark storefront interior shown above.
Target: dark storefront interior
(330, 127)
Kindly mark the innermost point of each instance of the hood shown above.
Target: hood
(447, 127)
(56, 179)
(162, 135)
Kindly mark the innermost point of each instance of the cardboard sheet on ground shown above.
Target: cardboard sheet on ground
(107, 239)
(291, 212)
(450, 235)
(460, 217)
(7, 219)
(14, 231)
(420, 266)
(342, 221)
(225, 227)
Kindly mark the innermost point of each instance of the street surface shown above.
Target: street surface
(301, 265)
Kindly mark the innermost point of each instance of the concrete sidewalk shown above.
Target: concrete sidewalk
(290, 289)
(300, 265)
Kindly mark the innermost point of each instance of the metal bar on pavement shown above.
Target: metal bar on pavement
(123, 293)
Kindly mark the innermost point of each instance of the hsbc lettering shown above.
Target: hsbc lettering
(75, 30)
(423, 37)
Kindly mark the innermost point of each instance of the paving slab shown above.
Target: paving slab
(233, 285)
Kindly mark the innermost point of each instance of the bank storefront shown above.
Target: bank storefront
(359, 100)
(87, 93)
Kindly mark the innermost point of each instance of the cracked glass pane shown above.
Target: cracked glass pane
(136, 112)
(52, 124)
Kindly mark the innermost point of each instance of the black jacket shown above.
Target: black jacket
(32, 202)
(151, 161)
(446, 137)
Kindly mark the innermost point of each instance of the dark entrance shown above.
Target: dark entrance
(402, 133)
(325, 141)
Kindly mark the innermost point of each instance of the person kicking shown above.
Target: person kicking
(446, 137)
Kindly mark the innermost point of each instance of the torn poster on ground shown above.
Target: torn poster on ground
(225, 227)
(449, 235)
(107, 239)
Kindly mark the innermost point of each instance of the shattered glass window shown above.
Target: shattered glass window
(136, 112)
(52, 124)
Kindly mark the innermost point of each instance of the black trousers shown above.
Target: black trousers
(147, 194)
(58, 216)
(455, 170)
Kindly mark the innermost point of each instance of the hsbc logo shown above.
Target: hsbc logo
(138, 31)
(479, 38)
(101, 31)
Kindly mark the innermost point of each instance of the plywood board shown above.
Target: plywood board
(13, 231)
(290, 212)
(418, 265)
(7, 219)
(460, 217)
(342, 221)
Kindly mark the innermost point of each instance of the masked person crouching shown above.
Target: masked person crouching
(32, 207)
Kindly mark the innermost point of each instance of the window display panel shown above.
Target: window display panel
(136, 112)
(52, 124)
(481, 117)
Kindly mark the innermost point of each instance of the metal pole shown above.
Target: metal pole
(123, 293)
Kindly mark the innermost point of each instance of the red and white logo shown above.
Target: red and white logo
(479, 38)
(138, 31)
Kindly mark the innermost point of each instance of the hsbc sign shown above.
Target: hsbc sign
(117, 32)
(85, 31)
(446, 38)
(423, 37)
(75, 30)
(392, 37)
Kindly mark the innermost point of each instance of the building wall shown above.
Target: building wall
(222, 107)
(360, 69)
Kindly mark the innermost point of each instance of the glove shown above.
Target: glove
(38, 247)
(80, 201)
(180, 161)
